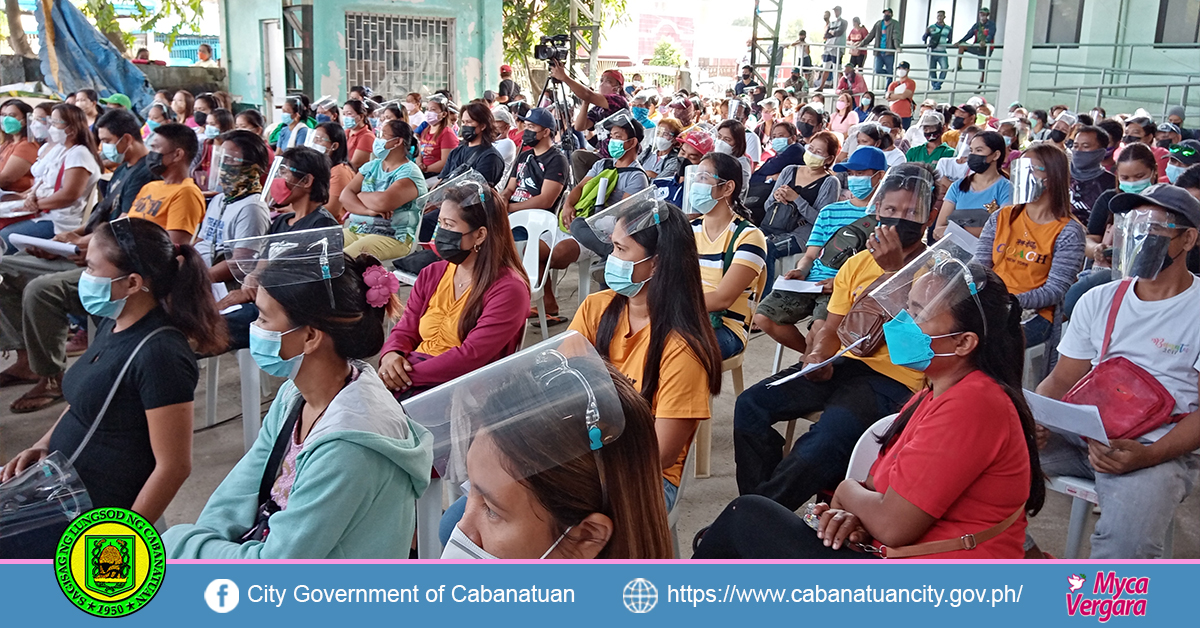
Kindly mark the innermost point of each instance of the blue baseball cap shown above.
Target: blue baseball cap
(864, 158)
(542, 118)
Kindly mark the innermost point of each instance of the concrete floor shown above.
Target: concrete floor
(217, 449)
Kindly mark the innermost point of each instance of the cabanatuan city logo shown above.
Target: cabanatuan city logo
(110, 562)
(1112, 596)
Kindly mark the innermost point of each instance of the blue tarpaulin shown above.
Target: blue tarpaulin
(75, 55)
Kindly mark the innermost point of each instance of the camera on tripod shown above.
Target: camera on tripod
(553, 48)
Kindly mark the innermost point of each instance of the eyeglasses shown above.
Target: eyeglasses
(58, 124)
(1184, 151)
(704, 177)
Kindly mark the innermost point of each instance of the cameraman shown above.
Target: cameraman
(607, 100)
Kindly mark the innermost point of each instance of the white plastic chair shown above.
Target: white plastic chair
(689, 469)
(537, 223)
(251, 395)
(866, 451)
(1035, 367)
(429, 515)
(703, 464)
(1083, 494)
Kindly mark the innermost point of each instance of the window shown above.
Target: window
(1058, 21)
(1178, 22)
(395, 55)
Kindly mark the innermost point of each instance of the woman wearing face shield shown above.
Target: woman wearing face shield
(561, 456)
(959, 460)
(1036, 245)
(651, 323)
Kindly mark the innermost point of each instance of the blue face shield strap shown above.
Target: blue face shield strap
(558, 367)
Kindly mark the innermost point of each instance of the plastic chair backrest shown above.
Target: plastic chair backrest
(867, 449)
(536, 222)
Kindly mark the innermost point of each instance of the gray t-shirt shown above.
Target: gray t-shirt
(247, 217)
(630, 180)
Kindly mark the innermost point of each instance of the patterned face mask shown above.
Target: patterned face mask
(239, 181)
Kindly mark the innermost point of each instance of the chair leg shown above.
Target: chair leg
(738, 383)
(541, 310)
(429, 513)
(1169, 542)
(585, 278)
(212, 365)
(1079, 514)
(675, 540)
(703, 447)
(789, 437)
(251, 401)
(778, 363)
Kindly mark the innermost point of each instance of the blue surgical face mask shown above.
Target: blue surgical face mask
(1173, 172)
(95, 293)
(616, 148)
(859, 186)
(640, 112)
(323, 118)
(618, 274)
(908, 345)
(211, 131)
(1135, 187)
(109, 152)
(264, 348)
(153, 124)
(349, 123)
(285, 118)
(379, 148)
(779, 144)
(701, 198)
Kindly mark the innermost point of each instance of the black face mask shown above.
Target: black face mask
(467, 133)
(1153, 258)
(958, 123)
(449, 246)
(745, 77)
(154, 162)
(933, 136)
(529, 138)
(1057, 136)
(978, 163)
(1163, 143)
(806, 129)
(909, 232)
(1129, 139)
(200, 117)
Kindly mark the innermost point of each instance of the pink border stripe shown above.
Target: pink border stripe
(184, 561)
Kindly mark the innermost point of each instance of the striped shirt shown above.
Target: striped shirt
(833, 216)
(749, 250)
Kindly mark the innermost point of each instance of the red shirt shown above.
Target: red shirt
(359, 138)
(903, 108)
(431, 146)
(962, 458)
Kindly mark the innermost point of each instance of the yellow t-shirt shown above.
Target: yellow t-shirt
(750, 250)
(682, 379)
(950, 137)
(1023, 252)
(851, 282)
(439, 323)
(172, 206)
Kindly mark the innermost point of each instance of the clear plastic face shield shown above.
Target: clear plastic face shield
(265, 196)
(469, 177)
(288, 258)
(538, 409)
(325, 102)
(47, 493)
(622, 118)
(693, 175)
(930, 285)
(1142, 240)
(634, 213)
(905, 193)
(1028, 180)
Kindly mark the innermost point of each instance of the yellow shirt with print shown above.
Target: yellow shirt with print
(852, 280)
(750, 251)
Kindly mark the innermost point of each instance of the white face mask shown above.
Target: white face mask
(318, 148)
(662, 143)
(461, 547)
(723, 147)
(57, 135)
(901, 73)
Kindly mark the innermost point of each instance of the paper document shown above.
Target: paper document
(53, 247)
(812, 367)
(220, 292)
(1068, 419)
(796, 285)
(961, 236)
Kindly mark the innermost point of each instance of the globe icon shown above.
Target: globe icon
(640, 596)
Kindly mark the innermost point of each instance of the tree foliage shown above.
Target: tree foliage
(187, 12)
(527, 21)
(666, 53)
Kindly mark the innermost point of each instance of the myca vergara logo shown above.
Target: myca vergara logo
(1112, 596)
(110, 562)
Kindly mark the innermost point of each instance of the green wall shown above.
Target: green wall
(243, 46)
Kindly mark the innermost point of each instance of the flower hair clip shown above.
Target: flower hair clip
(381, 285)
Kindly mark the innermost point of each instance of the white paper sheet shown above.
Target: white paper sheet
(812, 367)
(50, 246)
(796, 285)
(220, 292)
(1068, 419)
(961, 236)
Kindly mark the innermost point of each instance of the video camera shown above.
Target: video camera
(553, 48)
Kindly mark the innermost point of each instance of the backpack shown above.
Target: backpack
(586, 204)
(716, 318)
(848, 241)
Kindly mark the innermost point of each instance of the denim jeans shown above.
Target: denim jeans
(1088, 279)
(729, 342)
(884, 62)
(852, 400)
(41, 229)
(670, 493)
(935, 77)
(1136, 508)
(587, 239)
(238, 323)
(781, 246)
(1037, 331)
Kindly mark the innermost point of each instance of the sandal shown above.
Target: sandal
(8, 379)
(551, 320)
(51, 394)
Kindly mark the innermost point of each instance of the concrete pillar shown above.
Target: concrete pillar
(1018, 46)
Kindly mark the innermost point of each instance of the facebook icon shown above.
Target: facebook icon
(222, 595)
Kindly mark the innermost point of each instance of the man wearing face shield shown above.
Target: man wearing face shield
(1150, 320)
(855, 390)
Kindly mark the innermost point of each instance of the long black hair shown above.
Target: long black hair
(730, 169)
(176, 275)
(995, 143)
(336, 135)
(676, 300)
(355, 326)
(1000, 355)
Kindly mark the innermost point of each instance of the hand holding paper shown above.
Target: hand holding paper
(820, 365)
(1067, 419)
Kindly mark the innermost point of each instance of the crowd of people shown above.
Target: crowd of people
(922, 249)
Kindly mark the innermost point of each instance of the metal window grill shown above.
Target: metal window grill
(394, 55)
